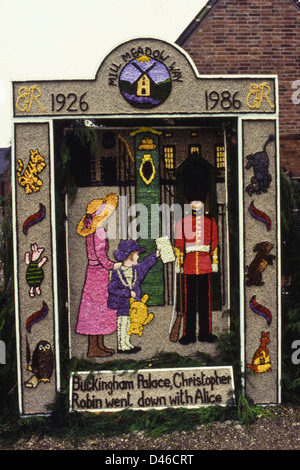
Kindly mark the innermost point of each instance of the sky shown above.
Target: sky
(68, 39)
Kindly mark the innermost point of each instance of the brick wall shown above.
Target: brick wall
(256, 37)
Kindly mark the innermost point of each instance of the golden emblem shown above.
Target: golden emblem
(257, 94)
(26, 98)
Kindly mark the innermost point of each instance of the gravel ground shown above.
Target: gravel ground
(279, 432)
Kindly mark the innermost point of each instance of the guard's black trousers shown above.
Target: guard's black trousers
(197, 300)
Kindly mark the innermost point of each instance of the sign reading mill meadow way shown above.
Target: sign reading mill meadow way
(148, 237)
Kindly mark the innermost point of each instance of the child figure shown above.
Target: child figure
(125, 283)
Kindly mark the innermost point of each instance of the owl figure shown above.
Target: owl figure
(41, 364)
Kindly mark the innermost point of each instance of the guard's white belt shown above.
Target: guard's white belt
(193, 248)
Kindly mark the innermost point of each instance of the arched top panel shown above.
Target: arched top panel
(146, 76)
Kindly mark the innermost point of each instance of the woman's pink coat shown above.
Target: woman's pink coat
(94, 317)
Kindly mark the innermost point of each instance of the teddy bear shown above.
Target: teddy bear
(139, 315)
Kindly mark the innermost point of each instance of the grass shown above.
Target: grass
(70, 426)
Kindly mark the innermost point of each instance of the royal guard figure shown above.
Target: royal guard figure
(196, 245)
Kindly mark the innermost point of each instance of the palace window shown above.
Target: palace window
(169, 156)
(220, 156)
(109, 170)
(195, 149)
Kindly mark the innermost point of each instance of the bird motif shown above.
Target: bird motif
(41, 364)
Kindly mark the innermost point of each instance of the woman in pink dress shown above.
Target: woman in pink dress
(95, 319)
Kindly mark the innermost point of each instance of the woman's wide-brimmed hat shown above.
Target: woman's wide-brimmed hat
(97, 213)
(125, 248)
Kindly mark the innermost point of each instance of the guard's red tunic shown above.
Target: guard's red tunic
(197, 238)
